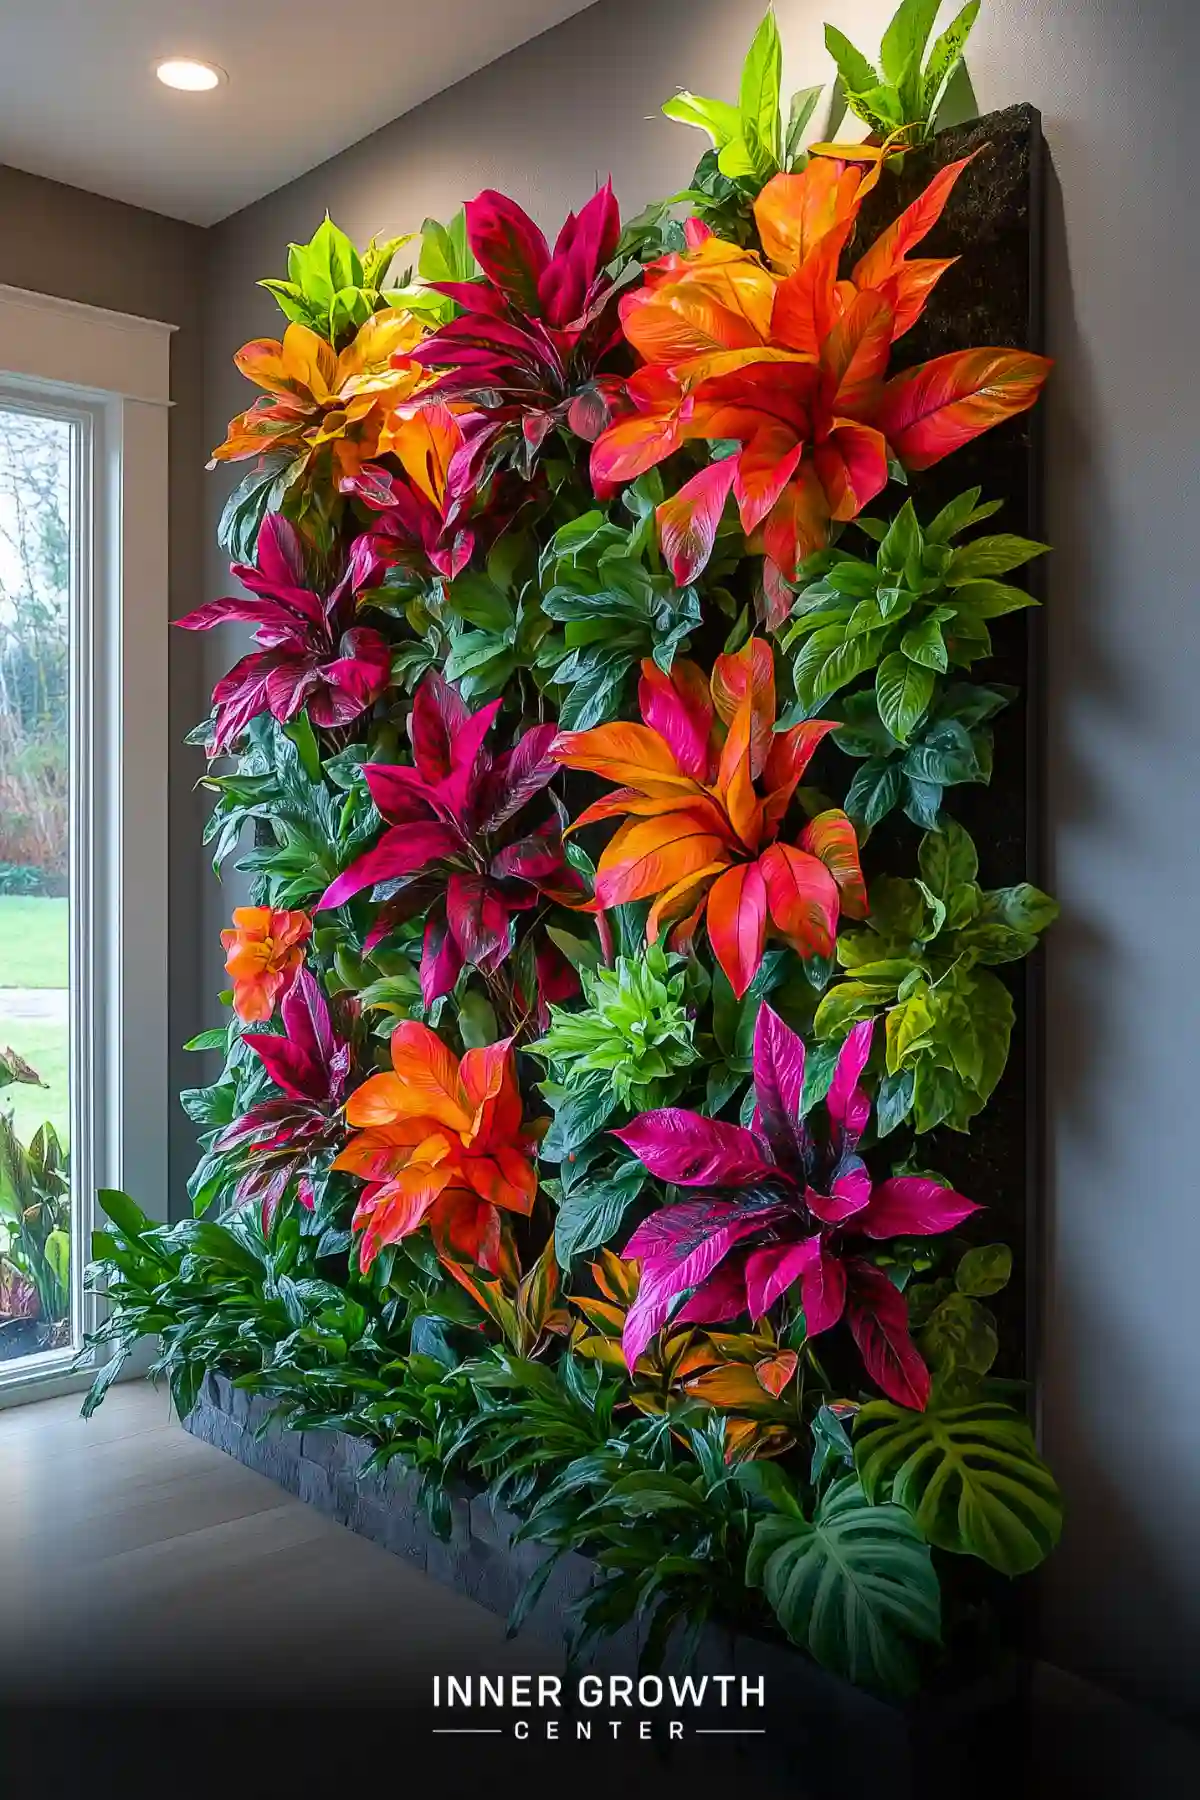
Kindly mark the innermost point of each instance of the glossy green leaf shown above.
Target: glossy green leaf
(969, 1476)
(854, 1586)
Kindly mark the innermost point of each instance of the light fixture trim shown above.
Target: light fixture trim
(189, 74)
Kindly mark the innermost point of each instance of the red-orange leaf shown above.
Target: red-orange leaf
(737, 923)
(937, 407)
(831, 836)
(803, 898)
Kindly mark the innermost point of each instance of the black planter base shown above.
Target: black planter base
(829, 1738)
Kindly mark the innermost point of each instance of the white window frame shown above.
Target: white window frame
(111, 372)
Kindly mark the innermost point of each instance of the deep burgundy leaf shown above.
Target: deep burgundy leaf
(479, 921)
(878, 1317)
(823, 1291)
(441, 958)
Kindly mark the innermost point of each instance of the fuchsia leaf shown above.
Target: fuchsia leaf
(438, 714)
(823, 1291)
(722, 1297)
(516, 777)
(779, 1088)
(508, 246)
(912, 1206)
(279, 553)
(681, 1245)
(479, 921)
(363, 669)
(848, 1195)
(400, 793)
(401, 851)
(679, 708)
(772, 1270)
(878, 1318)
(586, 242)
(469, 762)
(847, 1104)
(305, 1016)
(692, 1151)
(536, 858)
(441, 958)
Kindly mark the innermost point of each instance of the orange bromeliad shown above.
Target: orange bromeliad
(264, 952)
(698, 835)
(442, 1143)
(318, 398)
(778, 354)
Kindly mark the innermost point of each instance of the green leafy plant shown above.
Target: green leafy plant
(923, 961)
(969, 1476)
(908, 90)
(751, 140)
(916, 612)
(853, 1585)
(331, 287)
(604, 583)
(950, 746)
(634, 1031)
(35, 1218)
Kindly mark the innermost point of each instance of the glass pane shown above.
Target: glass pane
(37, 489)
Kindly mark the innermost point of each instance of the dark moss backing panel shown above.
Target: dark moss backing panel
(992, 296)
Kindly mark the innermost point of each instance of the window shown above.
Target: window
(83, 752)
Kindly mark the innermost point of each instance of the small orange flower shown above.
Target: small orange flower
(265, 950)
(443, 1144)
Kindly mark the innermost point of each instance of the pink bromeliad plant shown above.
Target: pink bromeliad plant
(781, 1205)
(453, 842)
(312, 656)
(526, 352)
(276, 1139)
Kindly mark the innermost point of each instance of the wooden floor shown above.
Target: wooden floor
(136, 1560)
(142, 1568)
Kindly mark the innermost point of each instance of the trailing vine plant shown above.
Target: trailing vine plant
(582, 1097)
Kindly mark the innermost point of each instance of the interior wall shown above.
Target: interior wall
(59, 240)
(1121, 1356)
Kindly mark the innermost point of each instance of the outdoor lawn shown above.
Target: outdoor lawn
(33, 956)
(33, 943)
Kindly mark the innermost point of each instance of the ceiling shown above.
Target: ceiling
(79, 100)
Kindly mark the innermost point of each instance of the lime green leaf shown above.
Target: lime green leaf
(969, 1475)
(905, 39)
(854, 1587)
(947, 859)
(903, 690)
(721, 121)
(856, 72)
(945, 58)
(758, 95)
(984, 1270)
(804, 104)
(991, 556)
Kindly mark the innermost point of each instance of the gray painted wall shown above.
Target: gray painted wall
(1113, 79)
(60, 240)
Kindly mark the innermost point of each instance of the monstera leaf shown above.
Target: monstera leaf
(854, 1585)
(969, 1475)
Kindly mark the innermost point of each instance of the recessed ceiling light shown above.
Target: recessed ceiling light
(193, 77)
